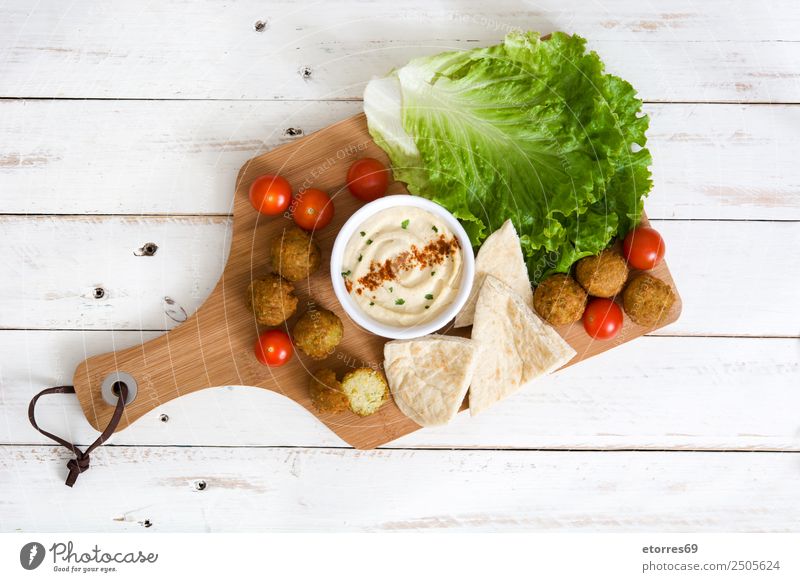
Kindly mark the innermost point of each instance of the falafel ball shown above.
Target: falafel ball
(647, 300)
(294, 255)
(366, 390)
(326, 392)
(559, 299)
(271, 299)
(318, 332)
(602, 275)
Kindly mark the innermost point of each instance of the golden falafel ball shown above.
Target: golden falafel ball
(271, 299)
(602, 275)
(318, 332)
(559, 299)
(326, 392)
(366, 390)
(647, 300)
(294, 255)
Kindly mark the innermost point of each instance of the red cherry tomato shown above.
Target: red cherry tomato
(270, 194)
(367, 179)
(643, 247)
(274, 348)
(312, 209)
(602, 319)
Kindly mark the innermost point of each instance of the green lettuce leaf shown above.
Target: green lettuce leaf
(529, 130)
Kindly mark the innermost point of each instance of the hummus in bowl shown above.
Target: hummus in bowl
(402, 267)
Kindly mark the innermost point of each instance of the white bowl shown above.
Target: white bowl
(355, 312)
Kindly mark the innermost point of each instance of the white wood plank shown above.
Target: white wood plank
(141, 157)
(60, 261)
(54, 264)
(680, 50)
(145, 157)
(654, 393)
(724, 161)
(306, 489)
(735, 278)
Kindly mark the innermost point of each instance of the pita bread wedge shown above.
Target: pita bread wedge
(429, 376)
(501, 257)
(515, 346)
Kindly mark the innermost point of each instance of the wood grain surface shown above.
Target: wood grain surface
(214, 347)
(657, 393)
(680, 50)
(124, 124)
(56, 263)
(298, 489)
(711, 162)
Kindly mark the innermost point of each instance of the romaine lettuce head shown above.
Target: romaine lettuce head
(529, 130)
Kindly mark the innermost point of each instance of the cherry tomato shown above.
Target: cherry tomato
(602, 319)
(643, 247)
(312, 209)
(274, 348)
(270, 194)
(367, 179)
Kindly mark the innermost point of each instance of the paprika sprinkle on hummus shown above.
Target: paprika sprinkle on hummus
(405, 268)
(433, 253)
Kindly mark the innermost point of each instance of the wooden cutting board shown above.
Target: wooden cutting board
(214, 347)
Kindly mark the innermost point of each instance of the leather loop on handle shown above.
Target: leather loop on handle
(80, 463)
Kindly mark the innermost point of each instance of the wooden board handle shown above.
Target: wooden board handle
(186, 359)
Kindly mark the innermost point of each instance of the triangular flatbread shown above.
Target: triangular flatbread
(429, 376)
(515, 346)
(501, 257)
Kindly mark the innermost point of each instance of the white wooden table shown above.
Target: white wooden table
(124, 123)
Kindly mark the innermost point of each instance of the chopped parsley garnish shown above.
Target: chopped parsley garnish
(363, 233)
(360, 257)
(399, 301)
(345, 273)
(433, 273)
(391, 289)
(404, 224)
(427, 307)
(369, 241)
(371, 303)
(429, 297)
(434, 229)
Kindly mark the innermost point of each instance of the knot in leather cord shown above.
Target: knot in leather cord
(80, 463)
(76, 466)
